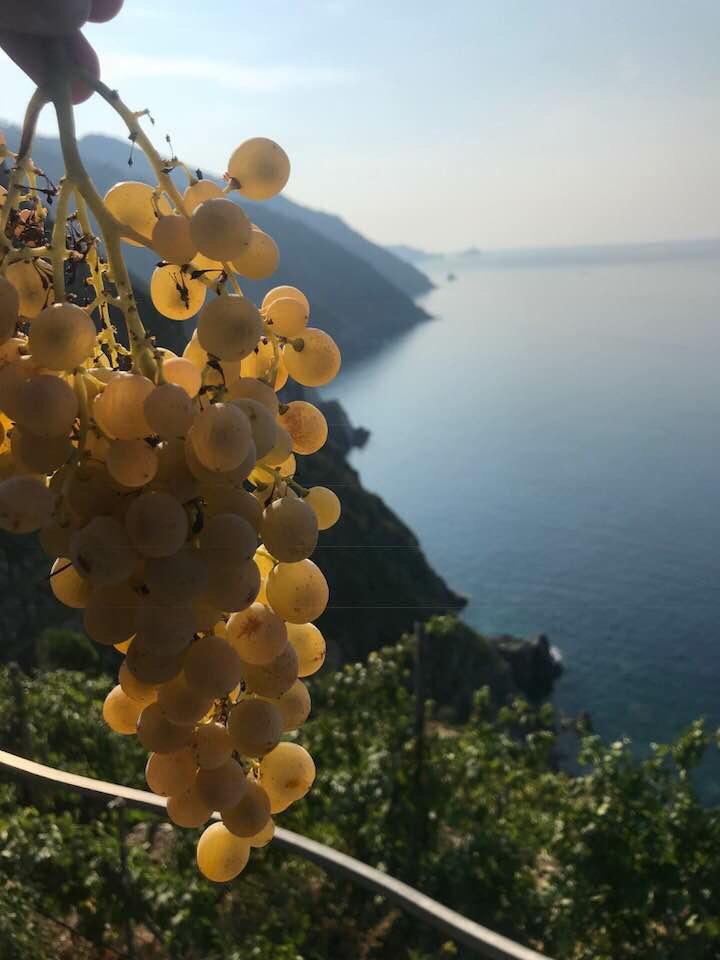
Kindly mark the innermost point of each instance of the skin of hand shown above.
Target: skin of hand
(28, 29)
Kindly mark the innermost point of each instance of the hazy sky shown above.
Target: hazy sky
(501, 123)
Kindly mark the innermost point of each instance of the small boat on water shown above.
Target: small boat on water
(451, 276)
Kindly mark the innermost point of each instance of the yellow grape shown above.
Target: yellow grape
(255, 727)
(261, 257)
(183, 373)
(211, 376)
(133, 205)
(282, 449)
(175, 579)
(264, 561)
(46, 405)
(306, 425)
(229, 327)
(298, 592)
(258, 634)
(123, 648)
(142, 693)
(326, 505)
(181, 704)
(259, 363)
(317, 363)
(174, 475)
(288, 469)
(221, 856)
(227, 539)
(250, 815)
(289, 529)
(232, 500)
(260, 168)
(263, 837)
(68, 586)
(171, 238)
(309, 645)
(90, 491)
(287, 773)
(262, 424)
(150, 666)
(165, 628)
(186, 809)
(168, 410)
(294, 706)
(235, 590)
(121, 713)
(40, 454)
(212, 667)
(175, 293)
(206, 612)
(9, 310)
(61, 337)
(212, 269)
(211, 745)
(284, 291)
(287, 317)
(252, 389)
(102, 553)
(221, 437)
(220, 229)
(169, 774)
(110, 611)
(157, 524)
(55, 536)
(120, 408)
(222, 786)
(200, 191)
(33, 286)
(156, 733)
(272, 679)
(133, 463)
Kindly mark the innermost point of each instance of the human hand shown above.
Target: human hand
(28, 30)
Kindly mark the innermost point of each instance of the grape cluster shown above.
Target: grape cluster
(161, 486)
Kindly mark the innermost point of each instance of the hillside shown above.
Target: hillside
(340, 271)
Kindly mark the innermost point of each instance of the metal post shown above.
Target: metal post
(118, 806)
(420, 838)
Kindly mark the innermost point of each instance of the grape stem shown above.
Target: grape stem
(111, 229)
(58, 247)
(96, 277)
(138, 136)
(84, 411)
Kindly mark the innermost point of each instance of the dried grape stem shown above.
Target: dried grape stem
(138, 136)
(22, 162)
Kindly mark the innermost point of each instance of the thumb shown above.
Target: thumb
(44, 17)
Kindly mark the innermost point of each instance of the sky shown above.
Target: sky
(494, 123)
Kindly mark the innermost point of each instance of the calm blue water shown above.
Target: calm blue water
(553, 438)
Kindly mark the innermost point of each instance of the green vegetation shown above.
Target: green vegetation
(618, 863)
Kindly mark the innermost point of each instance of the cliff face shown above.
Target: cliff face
(380, 581)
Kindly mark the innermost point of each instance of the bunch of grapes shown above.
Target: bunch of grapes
(162, 486)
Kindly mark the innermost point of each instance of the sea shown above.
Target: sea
(552, 436)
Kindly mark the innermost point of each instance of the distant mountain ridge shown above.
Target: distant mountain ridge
(344, 275)
(600, 253)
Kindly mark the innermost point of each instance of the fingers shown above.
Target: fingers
(33, 55)
(43, 17)
(84, 56)
(103, 10)
(27, 29)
